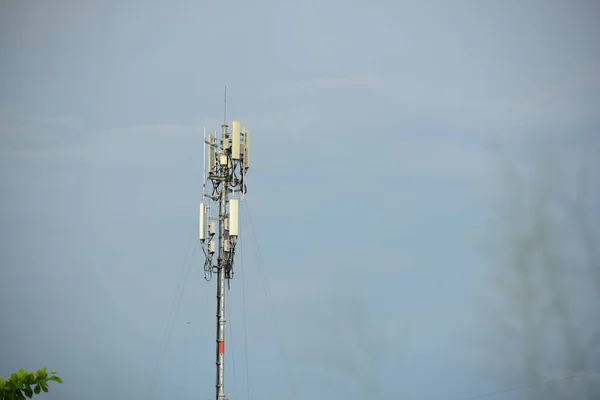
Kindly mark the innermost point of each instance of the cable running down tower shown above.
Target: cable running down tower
(226, 163)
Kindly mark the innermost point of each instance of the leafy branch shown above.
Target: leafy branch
(25, 384)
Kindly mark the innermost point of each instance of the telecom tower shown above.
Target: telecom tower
(226, 163)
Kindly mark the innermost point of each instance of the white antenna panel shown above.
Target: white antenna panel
(202, 222)
(234, 217)
(211, 153)
(212, 228)
(212, 247)
(236, 131)
(203, 161)
(247, 149)
(223, 159)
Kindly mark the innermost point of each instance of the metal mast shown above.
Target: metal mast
(227, 161)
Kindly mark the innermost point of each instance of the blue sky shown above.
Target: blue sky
(379, 131)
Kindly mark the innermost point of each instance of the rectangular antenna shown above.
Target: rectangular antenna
(212, 140)
(212, 228)
(234, 217)
(246, 149)
(236, 131)
(204, 163)
(223, 160)
(202, 222)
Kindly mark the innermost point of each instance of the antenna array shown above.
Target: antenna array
(226, 163)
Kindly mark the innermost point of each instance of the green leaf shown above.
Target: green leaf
(1, 383)
(55, 379)
(36, 389)
(22, 374)
(28, 392)
(42, 374)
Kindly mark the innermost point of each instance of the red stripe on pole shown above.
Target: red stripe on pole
(221, 347)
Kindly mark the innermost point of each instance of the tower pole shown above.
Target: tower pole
(221, 269)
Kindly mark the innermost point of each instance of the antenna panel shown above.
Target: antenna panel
(226, 246)
(212, 247)
(223, 159)
(236, 131)
(234, 217)
(212, 228)
(247, 149)
(202, 222)
(211, 153)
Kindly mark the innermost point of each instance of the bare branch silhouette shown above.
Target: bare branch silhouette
(542, 279)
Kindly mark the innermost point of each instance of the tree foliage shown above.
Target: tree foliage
(548, 263)
(25, 384)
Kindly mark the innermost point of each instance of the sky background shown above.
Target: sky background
(382, 134)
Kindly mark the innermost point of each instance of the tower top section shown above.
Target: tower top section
(226, 165)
